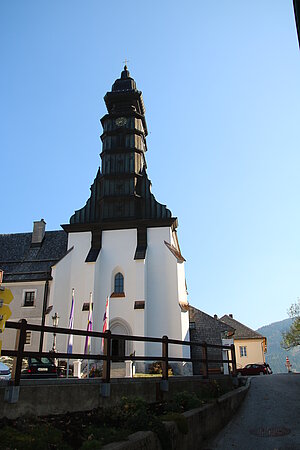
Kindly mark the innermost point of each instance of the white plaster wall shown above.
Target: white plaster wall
(163, 310)
(182, 294)
(81, 278)
(139, 315)
(58, 298)
(185, 334)
(72, 272)
(182, 297)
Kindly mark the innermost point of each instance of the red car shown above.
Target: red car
(255, 369)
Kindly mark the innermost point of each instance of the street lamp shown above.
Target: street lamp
(55, 320)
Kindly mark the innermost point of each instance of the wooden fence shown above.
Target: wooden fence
(22, 327)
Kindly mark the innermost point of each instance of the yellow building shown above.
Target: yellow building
(250, 346)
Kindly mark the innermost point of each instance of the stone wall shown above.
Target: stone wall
(58, 396)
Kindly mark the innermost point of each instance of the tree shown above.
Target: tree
(291, 338)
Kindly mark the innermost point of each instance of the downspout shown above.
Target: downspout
(45, 302)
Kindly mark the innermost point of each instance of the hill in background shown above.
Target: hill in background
(276, 355)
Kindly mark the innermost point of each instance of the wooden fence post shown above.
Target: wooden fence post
(205, 362)
(106, 352)
(20, 342)
(233, 360)
(165, 362)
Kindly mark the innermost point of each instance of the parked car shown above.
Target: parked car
(255, 369)
(38, 368)
(4, 372)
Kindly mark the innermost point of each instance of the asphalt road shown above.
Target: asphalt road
(269, 417)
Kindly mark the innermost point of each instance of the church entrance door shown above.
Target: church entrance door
(118, 348)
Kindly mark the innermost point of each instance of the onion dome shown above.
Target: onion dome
(125, 83)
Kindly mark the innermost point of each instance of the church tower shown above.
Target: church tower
(123, 187)
(121, 193)
(123, 242)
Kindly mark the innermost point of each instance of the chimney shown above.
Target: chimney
(231, 316)
(215, 316)
(38, 233)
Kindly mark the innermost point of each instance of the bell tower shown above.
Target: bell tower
(121, 191)
(123, 151)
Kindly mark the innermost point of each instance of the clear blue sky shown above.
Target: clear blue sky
(220, 82)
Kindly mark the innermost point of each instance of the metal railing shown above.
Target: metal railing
(23, 327)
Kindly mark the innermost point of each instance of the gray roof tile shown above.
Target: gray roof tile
(210, 319)
(21, 262)
(241, 331)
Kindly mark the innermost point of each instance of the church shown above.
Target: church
(122, 245)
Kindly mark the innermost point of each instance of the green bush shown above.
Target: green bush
(137, 416)
(131, 405)
(40, 437)
(93, 444)
(210, 390)
(183, 401)
(96, 436)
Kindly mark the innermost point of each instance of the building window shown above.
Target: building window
(119, 284)
(29, 298)
(86, 306)
(28, 338)
(243, 351)
(192, 325)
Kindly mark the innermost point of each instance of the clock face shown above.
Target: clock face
(121, 121)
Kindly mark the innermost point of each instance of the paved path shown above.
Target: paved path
(270, 409)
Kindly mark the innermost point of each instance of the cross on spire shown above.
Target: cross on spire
(125, 62)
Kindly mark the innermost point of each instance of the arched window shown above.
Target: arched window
(119, 283)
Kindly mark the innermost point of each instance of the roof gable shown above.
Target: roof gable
(241, 331)
(210, 319)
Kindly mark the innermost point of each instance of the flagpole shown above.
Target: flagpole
(105, 320)
(107, 312)
(88, 361)
(71, 326)
(87, 346)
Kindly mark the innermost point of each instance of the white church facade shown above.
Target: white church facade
(122, 244)
(149, 301)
